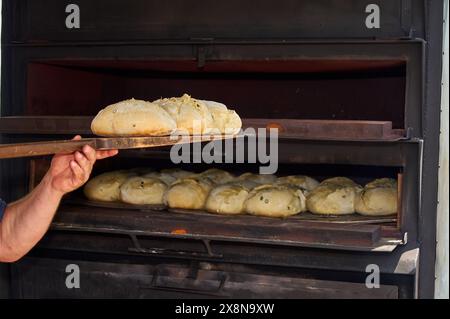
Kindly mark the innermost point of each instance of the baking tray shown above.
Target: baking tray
(304, 216)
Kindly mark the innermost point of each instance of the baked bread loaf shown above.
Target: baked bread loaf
(378, 198)
(133, 118)
(188, 193)
(106, 187)
(335, 196)
(141, 170)
(275, 201)
(192, 116)
(257, 178)
(166, 178)
(225, 121)
(143, 191)
(343, 181)
(176, 172)
(217, 176)
(304, 182)
(169, 175)
(228, 199)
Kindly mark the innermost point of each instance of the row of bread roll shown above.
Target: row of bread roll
(183, 115)
(146, 187)
(291, 195)
(261, 195)
(342, 196)
(220, 192)
(135, 186)
(191, 192)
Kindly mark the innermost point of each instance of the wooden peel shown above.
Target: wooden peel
(104, 143)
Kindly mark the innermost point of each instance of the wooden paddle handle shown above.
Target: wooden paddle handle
(43, 148)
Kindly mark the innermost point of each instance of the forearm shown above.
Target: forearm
(27, 220)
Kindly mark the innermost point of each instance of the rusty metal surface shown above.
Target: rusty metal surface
(113, 205)
(293, 232)
(329, 129)
(304, 216)
(46, 125)
(287, 128)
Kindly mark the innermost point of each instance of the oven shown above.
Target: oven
(349, 99)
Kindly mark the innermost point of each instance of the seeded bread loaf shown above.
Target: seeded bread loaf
(133, 118)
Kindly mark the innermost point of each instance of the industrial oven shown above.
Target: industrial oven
(367, 76)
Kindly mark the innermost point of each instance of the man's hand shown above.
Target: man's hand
(26, 220)
(70, 171)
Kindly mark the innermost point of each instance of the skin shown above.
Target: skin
(26, 221)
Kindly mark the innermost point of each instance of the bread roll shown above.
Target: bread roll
(106, 187)
(143, 191)
(275, 201)
(343, 181)
(192, 116)
(166, 178)
(227, 199)
(304, 182)
(140, 170)
(176, 172)
(188, 193)
(170, 175)
(334, 196)
(257, 178)
(133, 118)
(218, 176)
(378, 198)
(225, 120)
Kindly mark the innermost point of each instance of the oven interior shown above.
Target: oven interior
(317, 89)
(372, 90)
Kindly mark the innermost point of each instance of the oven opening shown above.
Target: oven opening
(305, 229)
(368, 90)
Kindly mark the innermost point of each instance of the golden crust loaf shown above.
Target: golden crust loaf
(217, 176)
(378, 198)
(133, 118)
(143, 191)
(181, 115)
(334, 196)
(188, 193)
(257, 178)
(275, 201)
(225, 121)
(192, 116)
(304, 182)
(227, 199)
(106, 187)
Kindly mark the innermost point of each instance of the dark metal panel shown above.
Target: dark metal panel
(4, 281)
(157, 280)
(403, 260)
(431, 131)
(117, 20)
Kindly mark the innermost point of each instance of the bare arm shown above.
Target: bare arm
(26, 220)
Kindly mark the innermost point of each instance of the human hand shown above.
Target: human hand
(70, 171)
